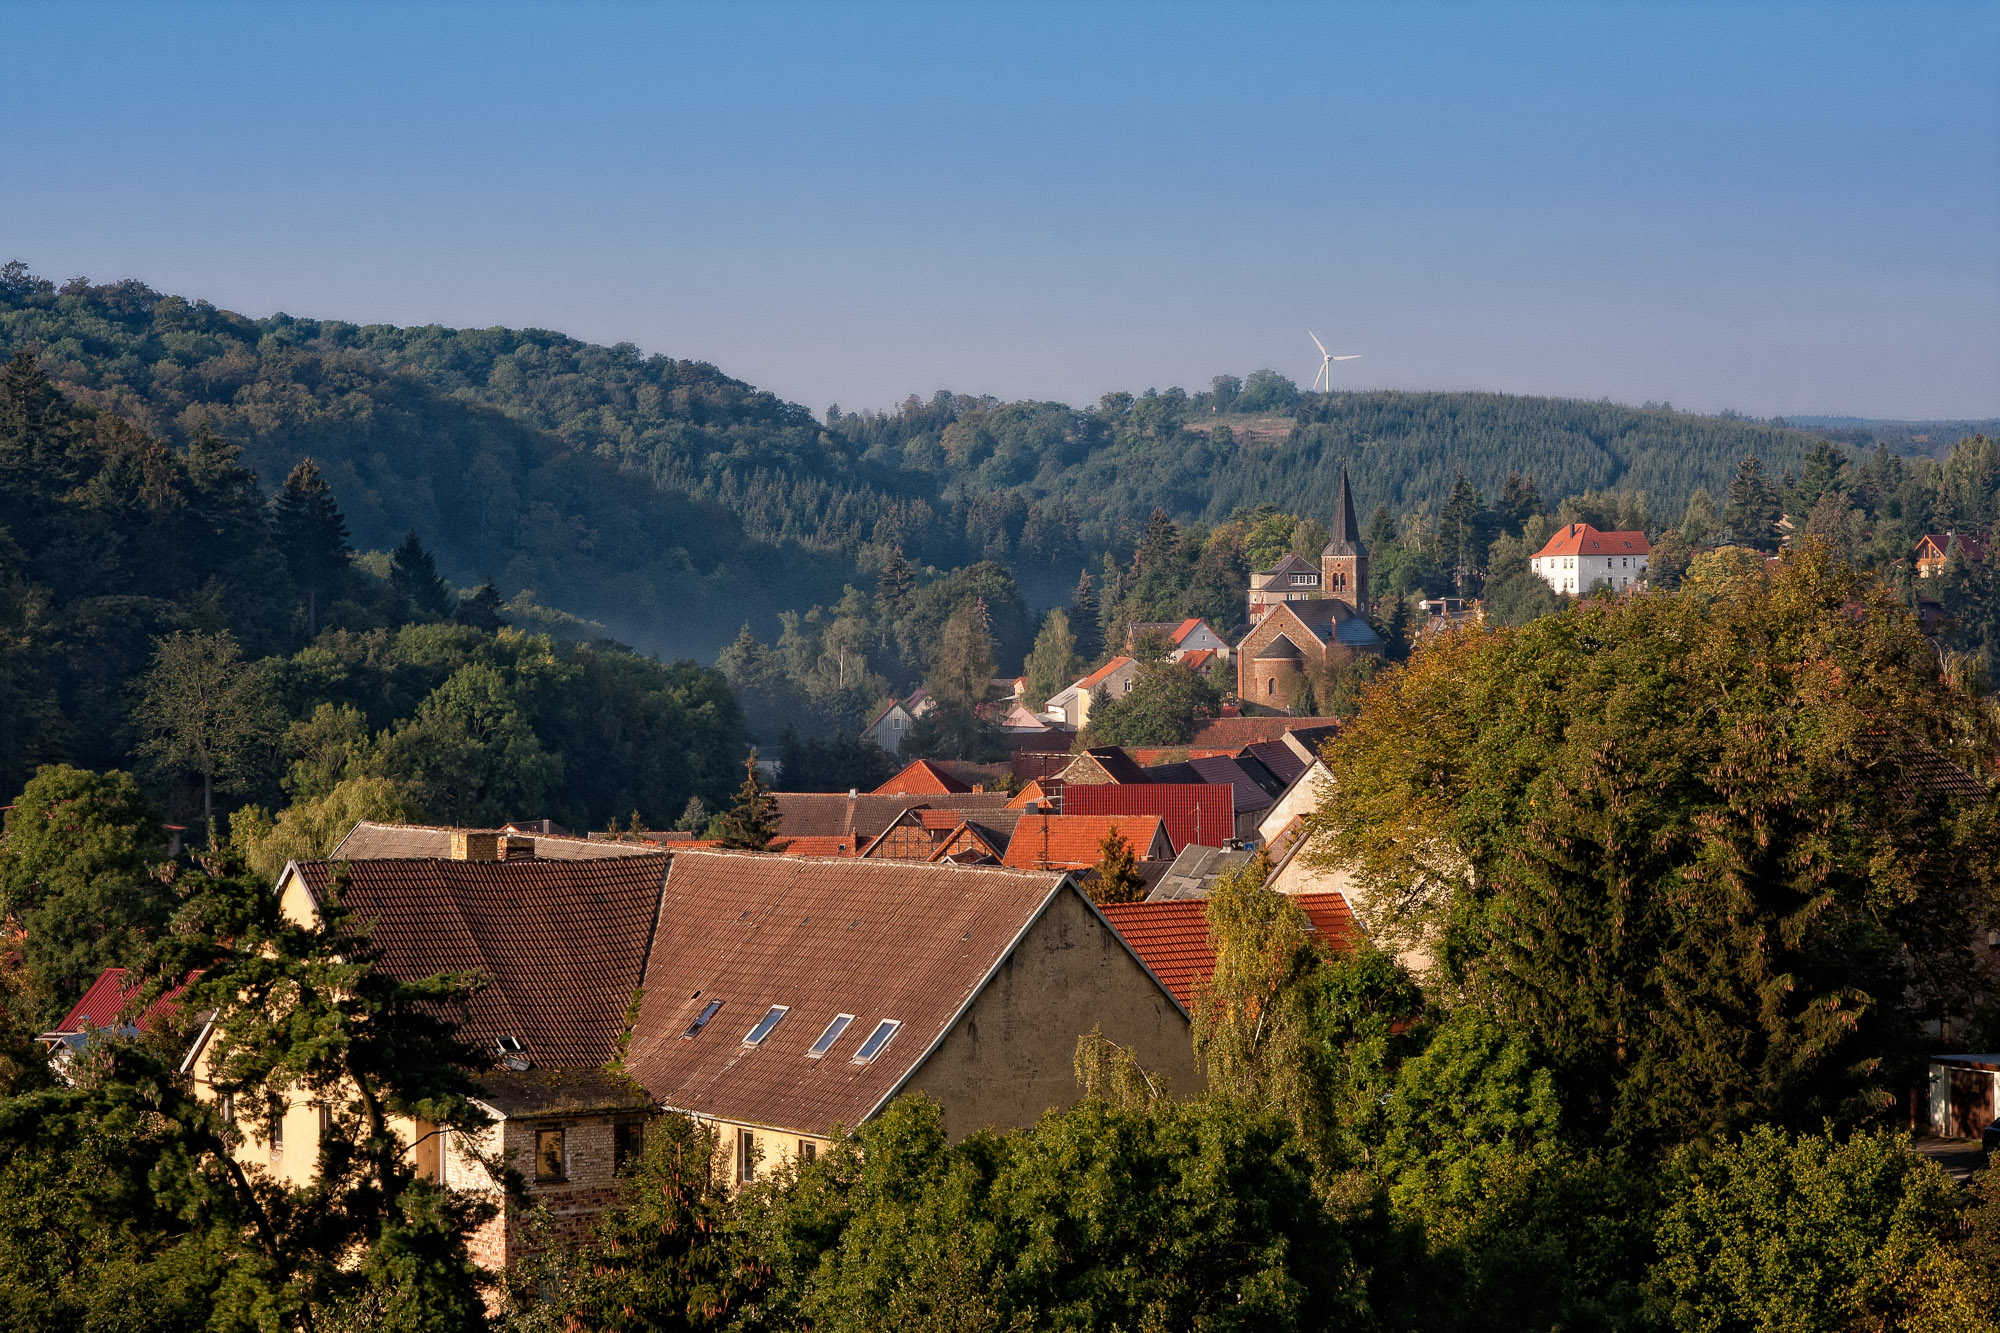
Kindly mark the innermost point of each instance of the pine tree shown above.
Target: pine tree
(1750, 512)
(1083, 613)
(482, 609)
(752, 824)
(1519, 502)
(413, 573)
(694, 816)
(1383, 531)
(962, 674)
(1116, 877)
(312, 535)
(894, 588)
(1054, 663)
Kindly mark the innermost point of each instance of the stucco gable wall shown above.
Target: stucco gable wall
(1011, 1055)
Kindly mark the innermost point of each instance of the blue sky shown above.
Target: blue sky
(1757, 206)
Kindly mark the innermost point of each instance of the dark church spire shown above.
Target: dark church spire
(1346, 539)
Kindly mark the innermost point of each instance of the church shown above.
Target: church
(1303, 619)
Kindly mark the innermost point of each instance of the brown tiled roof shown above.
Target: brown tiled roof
(1072, 840)
(563, 941)
(1233, 733)
(368, 840)
(835, 814)
(1116, 764)
(876, 939)
(923, 778)
(1280, 758)
(811, 845)
(1171, 935)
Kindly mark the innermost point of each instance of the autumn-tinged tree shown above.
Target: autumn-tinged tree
(1706, 848)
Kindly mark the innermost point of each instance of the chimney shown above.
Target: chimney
(514, 847)
(470, 845)
(852, 792)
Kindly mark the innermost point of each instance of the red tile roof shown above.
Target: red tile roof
(1171, 937)
(1103, 673)
(1070, 842)
(922, 778)
(104, 1004)
(1582, 539)
(863, 817)
(1194, 812)
(1972, 547)
(810, 845)
(875, 939)
(563, 941)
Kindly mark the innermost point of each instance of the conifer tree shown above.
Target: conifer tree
(413, 573)
(482, 609)
(894, 588)
(1054, 663)
(312, 535)
(752, 824)
(1750, 511)
(1083, 614)
(1116, 877)
(694, 816)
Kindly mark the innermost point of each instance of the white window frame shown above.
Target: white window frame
(862, 1056)
(760, 1032)
(830, 1038)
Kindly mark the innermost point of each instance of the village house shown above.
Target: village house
(1070, 706)
(923, 778)
(969, 985)
(1183, 638)
(1292, 579)
(893, 725)
(1578, 559)
(1934, 549)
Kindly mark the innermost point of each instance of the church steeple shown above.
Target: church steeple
(1343, 565)
(1346, 539)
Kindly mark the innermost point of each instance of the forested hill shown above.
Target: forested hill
(671, 502)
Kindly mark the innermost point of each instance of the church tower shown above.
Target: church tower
(1343, 565)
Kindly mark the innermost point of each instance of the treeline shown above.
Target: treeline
(669, 501)
(158, 615)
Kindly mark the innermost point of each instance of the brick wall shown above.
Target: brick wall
(590, 1183)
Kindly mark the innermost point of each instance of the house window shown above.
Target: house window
(1271, 686)
(830, 1036)
(325, 1122)
(877, 1039)
(746, 1155)
(628, 1141)
(549, 1155)
(808, 1152)
(228, 1108)
(756, 1035)
(277, 1109)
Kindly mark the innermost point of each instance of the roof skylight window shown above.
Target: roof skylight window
(701, 1020)
(877, 1039)
(756, 1035)
(830, 1036)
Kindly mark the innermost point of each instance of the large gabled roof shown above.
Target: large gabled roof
(563, 941)
(1170, 935)
(1072, 841)
(1582, 539)
(368, 840)
(875, 939)
(1233, 733)
(1104, 673)
(106, 1003)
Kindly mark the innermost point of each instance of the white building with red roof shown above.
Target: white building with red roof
(1579, 558)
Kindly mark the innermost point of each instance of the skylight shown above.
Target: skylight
(757, 1034)
(877, 1039)
(830, 1036)
(694, 1028)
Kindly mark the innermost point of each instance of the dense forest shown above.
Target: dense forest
(670, 503)
(158, 613)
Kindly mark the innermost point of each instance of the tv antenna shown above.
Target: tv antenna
(1326, 359)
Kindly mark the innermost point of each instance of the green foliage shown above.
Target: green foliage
(1811, 1233)
(1680, 844)
(205, 711)
(1195, 1215)
(1054, 663)
(1166, 704)
(413, 573)
(751, 824)
(84, 873)
(664, 1257)
(832, 763)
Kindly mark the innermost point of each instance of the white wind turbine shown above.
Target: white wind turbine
(1326, 359)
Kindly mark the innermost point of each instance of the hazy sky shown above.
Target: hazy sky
(1743, 205)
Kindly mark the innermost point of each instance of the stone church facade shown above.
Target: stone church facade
(1295, 637)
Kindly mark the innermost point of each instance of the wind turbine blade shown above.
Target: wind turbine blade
(1353, 356)
(1316, 342)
